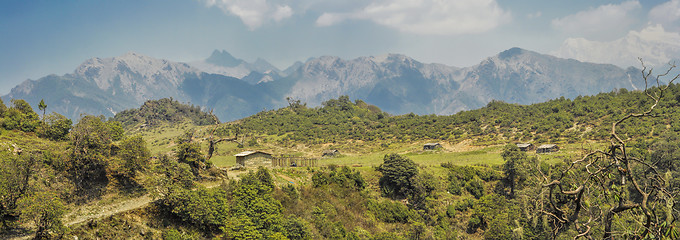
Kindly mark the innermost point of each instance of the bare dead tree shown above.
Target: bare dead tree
(213, 141)
(604, 184)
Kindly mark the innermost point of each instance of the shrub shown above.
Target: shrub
(475, 187)
(389, 211)
(398, 172)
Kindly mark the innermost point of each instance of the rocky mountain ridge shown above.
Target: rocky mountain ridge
(396, 83)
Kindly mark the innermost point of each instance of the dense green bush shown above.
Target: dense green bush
(207, 209)
(90, 152)
(20, 117)
(475, 186)
(455, 186)
(390, 211)
(55, 127)
(131, 157)
(15, 173)
(398, 174)
(154, 112)
(345, 177)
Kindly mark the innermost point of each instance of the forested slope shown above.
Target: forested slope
(558, 120)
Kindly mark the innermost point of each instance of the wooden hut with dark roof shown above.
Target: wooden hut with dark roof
(330, 153)
(525, 146)
(431, 146)
(254, 158)
(547, 148)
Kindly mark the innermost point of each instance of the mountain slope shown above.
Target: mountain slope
(525, 77)
(399, 84)
(223, 63)
(110, 85)
(230, 98)
(395, 83)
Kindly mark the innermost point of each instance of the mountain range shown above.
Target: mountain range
(398, 84)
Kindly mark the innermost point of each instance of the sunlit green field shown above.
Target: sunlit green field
(160, 140)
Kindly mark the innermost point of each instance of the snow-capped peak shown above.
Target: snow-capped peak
(131, 67)
(379, 59)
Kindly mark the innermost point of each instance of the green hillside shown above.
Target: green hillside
(166, 110)
(341, 122)
(146, 173)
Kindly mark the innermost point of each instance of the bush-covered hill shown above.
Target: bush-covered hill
(50, 167)
(558, 120)
(166, 110)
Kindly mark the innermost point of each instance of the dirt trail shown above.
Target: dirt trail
(96, 211)
(100, 209)
(287, 178)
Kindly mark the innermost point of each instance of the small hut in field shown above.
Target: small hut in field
(525, 146)
(547, 148)
(431, 146)
(253, 158)
(330, 153)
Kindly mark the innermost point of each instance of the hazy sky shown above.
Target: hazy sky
(38, 38)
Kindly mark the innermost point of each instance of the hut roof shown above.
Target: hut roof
(248, 153)
(523, 145)
(548, 146)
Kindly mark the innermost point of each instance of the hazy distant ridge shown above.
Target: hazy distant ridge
(396, 83)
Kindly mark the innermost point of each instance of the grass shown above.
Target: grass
(11, 139)
(160, 139)
(569, 152)
(360, 155)
(488, 155)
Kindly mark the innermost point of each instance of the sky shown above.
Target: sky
(43, 37)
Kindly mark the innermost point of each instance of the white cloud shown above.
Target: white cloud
(253, 13)
(599, 23)
(653, 44)
(436, 17)
(282, 12)
(328, 19)
(534, 15)
(666, 13)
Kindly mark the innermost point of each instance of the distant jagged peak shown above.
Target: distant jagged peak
(390, 58)
(378, 59)
(132, 54)
(512, 52)
(223, 63)
(260, 61)
(385, 59)
(264, 66)
(521, 57)
(223, 58)
(324, 61)
(396, 57)
(516, 58)
(294, 67)
(516, 53)
(103, 71)
(131, 61)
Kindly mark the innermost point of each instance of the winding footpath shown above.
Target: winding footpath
(97, 210)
